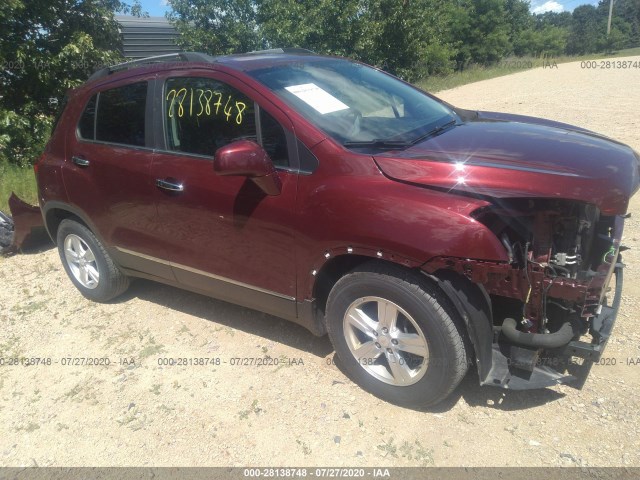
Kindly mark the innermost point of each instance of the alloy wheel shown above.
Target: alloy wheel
(386, 341)
(81, 261)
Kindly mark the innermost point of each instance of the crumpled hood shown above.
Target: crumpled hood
(501, 155)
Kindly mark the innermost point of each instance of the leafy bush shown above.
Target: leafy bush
(23, 136)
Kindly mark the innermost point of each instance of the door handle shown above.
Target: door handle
(81, 162)
(169, 185)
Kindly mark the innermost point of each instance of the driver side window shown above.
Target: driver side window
(202, 115)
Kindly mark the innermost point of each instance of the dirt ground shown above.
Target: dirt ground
(303, 411)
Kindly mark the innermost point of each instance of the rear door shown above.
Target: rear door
(107, 172)
(225, 236)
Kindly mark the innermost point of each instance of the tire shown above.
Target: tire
(6, 237)
(94, 273)
(421, 377)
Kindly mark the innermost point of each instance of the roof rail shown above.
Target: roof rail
(171, 57)
(185, 57)
(281, 50)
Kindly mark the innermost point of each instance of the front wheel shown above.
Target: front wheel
(88, 264)
(396, 335)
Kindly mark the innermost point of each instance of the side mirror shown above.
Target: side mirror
(248, 159)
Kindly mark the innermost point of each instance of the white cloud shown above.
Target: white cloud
(549, 6)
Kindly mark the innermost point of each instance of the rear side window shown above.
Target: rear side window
(119, 115)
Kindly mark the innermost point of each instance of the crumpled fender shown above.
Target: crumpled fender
(28, 225)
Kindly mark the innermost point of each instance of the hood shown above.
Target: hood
(508, 156)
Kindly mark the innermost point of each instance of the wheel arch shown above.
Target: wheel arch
(470, 300)
(55, 212)
(337, 262)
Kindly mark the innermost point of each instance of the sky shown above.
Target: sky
(157, 8)
(541, 6)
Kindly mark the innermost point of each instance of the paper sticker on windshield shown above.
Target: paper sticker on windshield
(317, 98)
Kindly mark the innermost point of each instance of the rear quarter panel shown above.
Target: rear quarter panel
(49, 168)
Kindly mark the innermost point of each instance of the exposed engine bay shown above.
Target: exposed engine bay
(556, 288)
(557, 244)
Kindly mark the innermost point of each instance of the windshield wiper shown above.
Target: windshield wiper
(433, 132)
(378, 143)
(382, 143)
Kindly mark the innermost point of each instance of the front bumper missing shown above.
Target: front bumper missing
(28, 226)
(601, 326)
(551, 367)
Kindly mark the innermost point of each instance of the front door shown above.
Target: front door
(225, 236)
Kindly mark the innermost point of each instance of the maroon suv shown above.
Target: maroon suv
(421, 237)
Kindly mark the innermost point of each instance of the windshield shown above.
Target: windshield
(355, 104)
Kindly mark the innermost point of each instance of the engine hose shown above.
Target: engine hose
(541, 340)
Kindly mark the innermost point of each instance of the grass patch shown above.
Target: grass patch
(151, 349)
(133, 419)
(477, 73)
(22, 181)
(416, 452)
(388, 448)
(244, 414)
(11, 348)
(31, 307)
(306, 450)
(32, 427)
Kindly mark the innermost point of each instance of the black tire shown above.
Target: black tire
(430, 310)
(111, 282)
(6, 232)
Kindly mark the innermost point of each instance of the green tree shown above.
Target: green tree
(411, 39)
(482, 30)
(616, 40)
(625, 25)
(218, 27)
(629, 12)
(548, 41)
(404, 38)
(586, 30)
(553, 19)
(519, 18)
(47, 47)
(325, 26)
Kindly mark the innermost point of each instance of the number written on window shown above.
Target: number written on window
(197, 102)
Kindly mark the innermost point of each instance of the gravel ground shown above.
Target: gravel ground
(303, 411)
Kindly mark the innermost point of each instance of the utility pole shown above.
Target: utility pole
(610, 13)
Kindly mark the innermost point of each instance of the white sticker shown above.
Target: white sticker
(317, 98)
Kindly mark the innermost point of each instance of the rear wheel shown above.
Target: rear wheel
(88, 264)
(396, 335)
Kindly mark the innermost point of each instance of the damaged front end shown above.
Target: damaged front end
(554, 303)
(24, 229)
